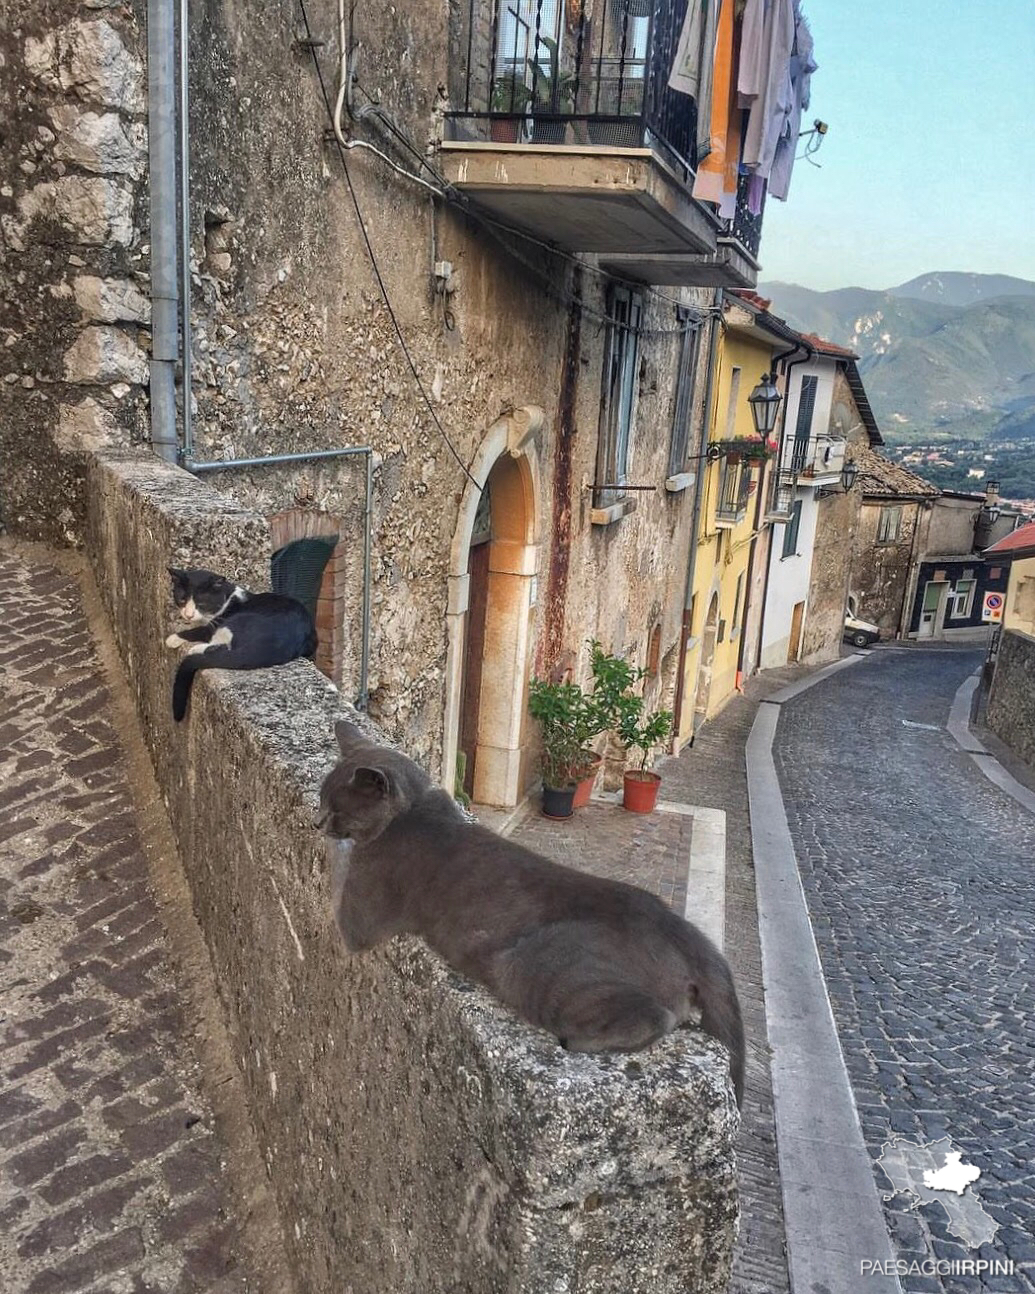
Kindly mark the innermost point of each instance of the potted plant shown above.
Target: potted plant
(558, 707)
(510, 95)
(642, 732)
(551, 91)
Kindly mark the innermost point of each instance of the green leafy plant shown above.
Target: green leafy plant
(752, 448)
(510, 94)
(639, 731)
(559, 709)
(554, 88)
(622, 709)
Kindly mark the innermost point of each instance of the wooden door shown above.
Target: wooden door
(797, 620)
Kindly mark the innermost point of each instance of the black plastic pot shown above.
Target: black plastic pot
(559, 802)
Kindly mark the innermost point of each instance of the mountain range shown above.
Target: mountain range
(947, 356)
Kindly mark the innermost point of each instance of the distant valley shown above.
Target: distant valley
(949, 364)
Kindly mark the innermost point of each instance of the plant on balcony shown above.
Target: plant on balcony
(752, 449)
(510, 95)
(553, 93)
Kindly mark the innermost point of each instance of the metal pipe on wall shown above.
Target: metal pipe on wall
(161, 121)
(219, 465)
(183, 139)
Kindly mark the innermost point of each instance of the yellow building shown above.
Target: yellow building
(1018, 549)
(730, 559)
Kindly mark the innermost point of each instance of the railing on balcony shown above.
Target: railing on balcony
(746, 227)
(734, 491)
(589, 72)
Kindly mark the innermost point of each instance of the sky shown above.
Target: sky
(928, 163)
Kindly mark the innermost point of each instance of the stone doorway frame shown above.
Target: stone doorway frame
(513, 562)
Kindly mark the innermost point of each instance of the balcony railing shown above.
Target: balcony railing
(746, 227)
(585, 72)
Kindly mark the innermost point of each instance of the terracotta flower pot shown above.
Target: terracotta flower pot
(584, 789)
(558, 801)
(504, 130)
(640, 791)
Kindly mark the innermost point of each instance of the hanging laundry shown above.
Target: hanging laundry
(751, 68)
(803, 64)
(769, 109)
(712, 173)
(694, 63)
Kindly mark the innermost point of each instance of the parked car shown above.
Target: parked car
(860, 633)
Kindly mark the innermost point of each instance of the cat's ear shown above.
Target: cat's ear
(373, 782)
(178, 576)
(348, 734)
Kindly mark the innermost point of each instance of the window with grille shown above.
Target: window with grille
(618, 399)
(683, 406)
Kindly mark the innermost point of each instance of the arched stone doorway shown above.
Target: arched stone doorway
(704, 677)
(489, 617)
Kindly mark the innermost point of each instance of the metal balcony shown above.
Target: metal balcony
(824, 461)
(570, 132)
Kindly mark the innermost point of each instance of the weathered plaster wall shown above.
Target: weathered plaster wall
(836, 527)
(417, 1137)
(882, 574)
(294, 349)
(74, 312)
(1019, 612)
(1011, 701)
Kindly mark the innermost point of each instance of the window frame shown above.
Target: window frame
(791, 531)
(889, 510)
(952, 612)
(803, 421)
(686, 386)
(619, 391)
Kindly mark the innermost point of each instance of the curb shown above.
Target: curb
(959, 726)
(832, 1212)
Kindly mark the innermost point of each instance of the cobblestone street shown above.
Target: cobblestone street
(113, 1171)
(919, 881)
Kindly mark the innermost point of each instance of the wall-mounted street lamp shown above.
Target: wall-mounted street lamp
(765, 405)
(848, 474)
(991, 509)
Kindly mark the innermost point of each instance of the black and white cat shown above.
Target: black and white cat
(238, 629)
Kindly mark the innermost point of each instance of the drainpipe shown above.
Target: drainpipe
(219, 465)
(695, 523)
(183, 139)
(161, 118)
(784, 359)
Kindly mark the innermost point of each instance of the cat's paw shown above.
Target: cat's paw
(174, 640)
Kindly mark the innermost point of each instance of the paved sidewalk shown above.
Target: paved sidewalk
(653, 852)
(112, 1173)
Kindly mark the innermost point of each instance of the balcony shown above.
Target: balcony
(570, 132)
(825, 461)
(736, 485)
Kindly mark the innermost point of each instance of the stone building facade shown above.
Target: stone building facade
(515, 357)
(74, 274)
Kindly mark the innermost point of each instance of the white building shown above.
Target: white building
(813, 454)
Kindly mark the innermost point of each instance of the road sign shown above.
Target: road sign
(992, 610)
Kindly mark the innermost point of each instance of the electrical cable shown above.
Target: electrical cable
(373, 258)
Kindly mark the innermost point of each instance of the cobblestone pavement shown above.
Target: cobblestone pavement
(112, 1178)
(920, 882)
(653, 851)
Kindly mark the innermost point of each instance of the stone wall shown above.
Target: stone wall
(418, 1138)
(74, 310)
(1011, 701)
(884, 574)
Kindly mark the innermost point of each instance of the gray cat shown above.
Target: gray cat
(602, 965)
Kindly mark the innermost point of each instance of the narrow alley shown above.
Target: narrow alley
(917, 872)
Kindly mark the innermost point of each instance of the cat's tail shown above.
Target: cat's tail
(192, 663)
(717, 998)
(720, 1016)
